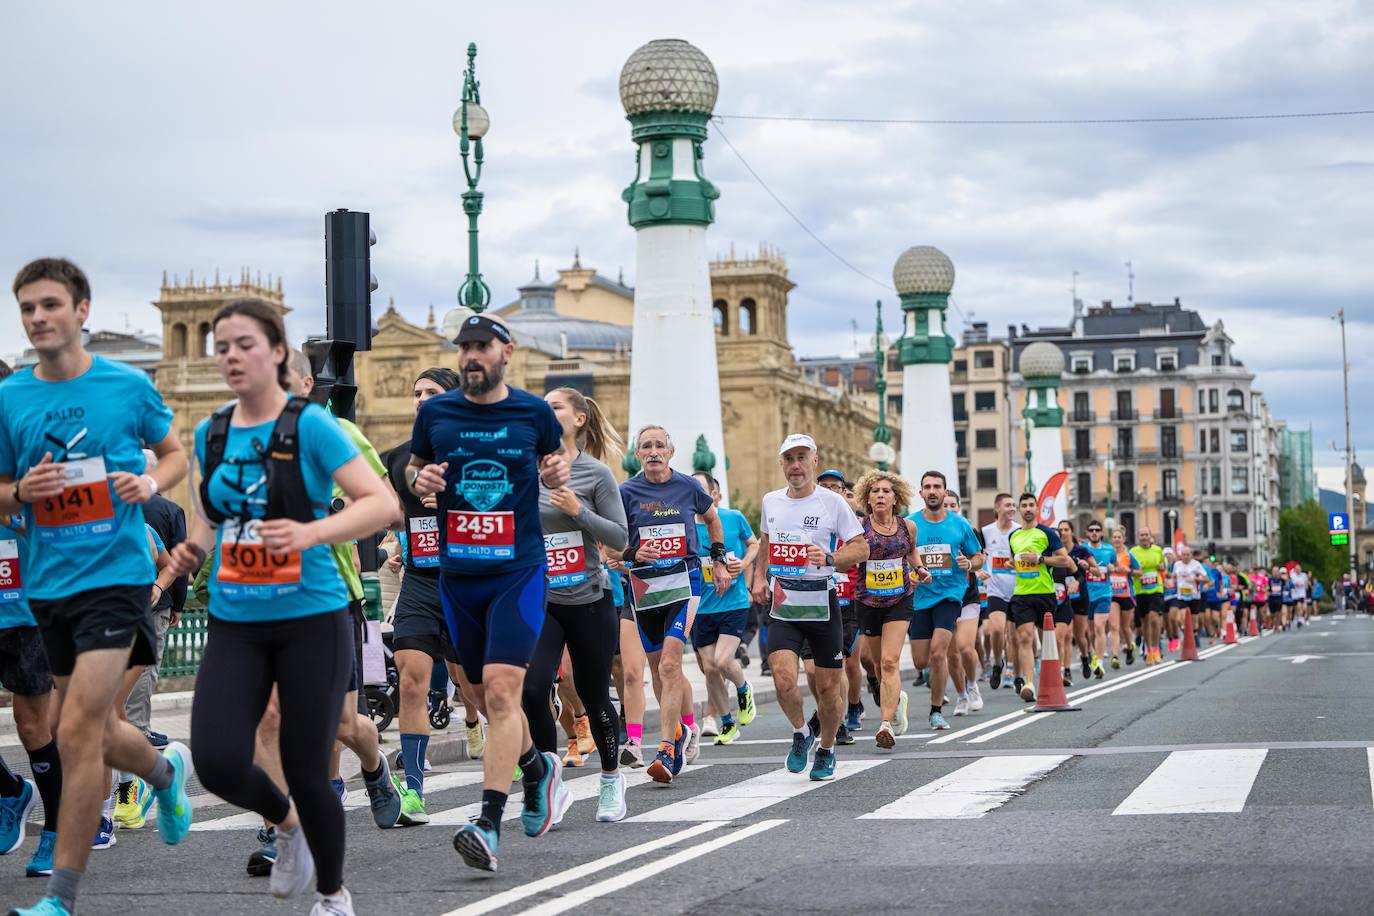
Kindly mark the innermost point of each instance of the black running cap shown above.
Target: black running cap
(481, 329)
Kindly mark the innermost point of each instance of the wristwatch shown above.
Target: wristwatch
(829, 559)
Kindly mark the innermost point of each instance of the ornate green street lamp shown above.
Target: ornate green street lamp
(470, 123)
(881, 454)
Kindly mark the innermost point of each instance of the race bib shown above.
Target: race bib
(1026, 569)
(885, 578)
(1187, 589)
(708, 572)
(424, 542)
(487, 536)
(982, 592)
(1000, 562)
(938, 558)
(787, 553)
(566, 558)
(669, 540)
(247, 569)
(83, 511)
(1099, 576)
(1060, 593)
(1071, 585)
(802, 600)
(1170, 584)
(1120, 586)
(1149, 579)
(844, 589)
(11, 589)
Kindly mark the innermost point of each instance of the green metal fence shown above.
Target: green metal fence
(185, 644)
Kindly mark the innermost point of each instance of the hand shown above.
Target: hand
(394, 563)
(430, 480)
(174, 619)
(721, 578)
(963, 562)
(186, 558)
(983, 575)
(155, 595)
(735, 566)
(814, 555)
(923, 576)
(554, 470)
(648, 550)
(284, 535)
(131, 488)
(565, 501)
(759, 593)
(43, 480)
(430, 502)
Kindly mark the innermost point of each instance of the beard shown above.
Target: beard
(489, 380)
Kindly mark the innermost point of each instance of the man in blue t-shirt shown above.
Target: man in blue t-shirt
(72, 433)
(483, 448)
(722, 615)
(1099, 593)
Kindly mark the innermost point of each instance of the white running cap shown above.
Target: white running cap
(797, 440)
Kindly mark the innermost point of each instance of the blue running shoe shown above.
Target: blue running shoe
(937, 722)
(48, 906)
(339, 789)
(173, 804)
(854, 721)
(684, 735)
(383, 798)
(662, 767)
(41, 863)
(14, 814)
(156, 739)
(105, 835)
(824, 766)
(801, 749)
(538, 813)
(265, 856)
(476, 843)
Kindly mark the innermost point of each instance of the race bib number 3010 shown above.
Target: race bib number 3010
(247, 569)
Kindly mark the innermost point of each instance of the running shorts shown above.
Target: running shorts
(24, 667)
(1100, 607)
(872, 619)
(707, 629)
(419, 622)
(1032, 608)
(1152, 603)
(820, 640)
(494, 620)
(115, 617)
(970, 611)
(998, 605)
(939, 616)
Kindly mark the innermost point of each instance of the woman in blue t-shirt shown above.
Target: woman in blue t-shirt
(278, 608)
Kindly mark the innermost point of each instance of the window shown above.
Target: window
(1168, 441)
(961, 365)
(1128, 525)
(894, 405)
(1125, 443)
(1201, 401)
(1213, 401)
(1240, 440)
(1167, 407)
(1202, 525)
(1082, 444)
(1235, 399)
(1216, 487)
(1239, 526)
(961, 443)
(963, 483)
(1127, 481)
(984, 359)
(1124, 410)
(719, 309)
(985, 438)
(1216, 440)
(747, 314)
(860, 379)
(1081, 363)
(1240, 480)
(987, 478)
(986, 517)
(1123, 360)
(1218, 360)
(1081, 411)
(1170, 484)
(1166, 360)
(1202, 441)
(960, 411)
(984, 401)
(1083, 488)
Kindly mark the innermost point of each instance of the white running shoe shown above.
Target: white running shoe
(961, 707)
(899, 727)
(693, 751)
(632, 755)
(710, 727)
(610, 805)
(477, 741)
(339, 905)
(975, 698)
(295, 867)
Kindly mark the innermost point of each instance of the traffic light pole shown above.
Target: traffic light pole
(1351, 522)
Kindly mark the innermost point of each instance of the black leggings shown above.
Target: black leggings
(592, 634)
(310, 660)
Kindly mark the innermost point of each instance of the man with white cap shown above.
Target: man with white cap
(808, 533)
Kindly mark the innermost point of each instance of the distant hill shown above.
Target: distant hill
(1332, 500)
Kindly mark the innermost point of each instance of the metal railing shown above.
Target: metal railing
(185, 646)
(1131, 414)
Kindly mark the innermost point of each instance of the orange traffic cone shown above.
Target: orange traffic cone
(1051, 697)
(1230, 627)
(1189, 638)
(1254, 622)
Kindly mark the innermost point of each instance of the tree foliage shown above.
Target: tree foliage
(1305, 538)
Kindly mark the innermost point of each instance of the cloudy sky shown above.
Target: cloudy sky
(194, 136)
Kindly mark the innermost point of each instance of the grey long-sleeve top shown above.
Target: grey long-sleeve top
(600, 521)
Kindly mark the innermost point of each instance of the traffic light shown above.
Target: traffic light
(348, 286)
(1212, 550)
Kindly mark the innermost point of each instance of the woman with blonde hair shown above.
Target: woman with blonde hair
(884, 590)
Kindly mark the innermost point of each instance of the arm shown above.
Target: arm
(716, 532)
(179, 583)
(760, 590)
(371, 508)
(851, 553)
(751, 552)
(606, 521)
(1059, 558)
(172, 466)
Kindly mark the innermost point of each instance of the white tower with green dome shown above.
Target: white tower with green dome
(668, 89)
(924, 277)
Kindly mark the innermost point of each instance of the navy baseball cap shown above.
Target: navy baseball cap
(480, 328)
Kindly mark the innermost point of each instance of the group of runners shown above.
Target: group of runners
(529, 577)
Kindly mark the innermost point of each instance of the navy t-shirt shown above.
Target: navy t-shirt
(665, 513)
(489, 508)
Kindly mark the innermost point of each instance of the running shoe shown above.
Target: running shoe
(294, 869)
(632, 755)
(728, 733)
(961, 707)
(476, 843)
(1017, 684)
(823, 767)
(1027, 692)
(710, 728)
(693, 749)
(920, 678)
(538, 813)
(747, 710)
(938, 723)
(265, 856)
(1087, 665)
(884, 737)
(383, 799)
(174, 810)
(801, 749)
(14, 816)
(661, 767)
(900, 726)
(1068, 677)
(582, 727)
(412, 805)
(975, 698)
(995, 677)
(105, 834)
(41, 863)
(843, 735)
(477, 741)
(610, 803)
(1130, 654)
(1116, 663)
(854, 718)
(133, 801)
(48, 906)
(340, 789)
(573, 758)
(1098, 671)
(156, 739)
(341, 904)
(680, 745)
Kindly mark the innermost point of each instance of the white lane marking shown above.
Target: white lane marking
(1370, 752)
(356, 799)
(742, 799)
(621, 881)
(789, 740)
(1299, 659)
(970, 791)
(581, 788)
(1197, 782)
(577, 873)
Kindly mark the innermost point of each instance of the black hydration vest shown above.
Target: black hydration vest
(286, 493)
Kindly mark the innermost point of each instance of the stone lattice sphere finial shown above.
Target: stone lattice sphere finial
(1042, 359)
(668, 74)
(923, 269)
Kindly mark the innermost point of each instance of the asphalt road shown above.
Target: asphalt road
(1239, 784)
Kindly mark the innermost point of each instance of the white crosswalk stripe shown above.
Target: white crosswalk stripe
(742, 799)
(970, 791)
(581, 789)
(1197, 782)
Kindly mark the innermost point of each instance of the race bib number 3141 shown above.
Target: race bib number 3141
(83, 511)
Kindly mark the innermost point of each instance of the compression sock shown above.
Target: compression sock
(532, 765)
(493, 807)
(413, 749)
(47, 775)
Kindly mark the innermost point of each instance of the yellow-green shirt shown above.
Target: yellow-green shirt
(343, 553)
(1151, 560)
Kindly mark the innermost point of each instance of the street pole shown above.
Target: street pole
(881, 453)
(471, 122)
(1349, 451)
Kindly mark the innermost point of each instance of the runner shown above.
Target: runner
(666, 576)
(630, 687)
(1190, 577)
(963, 649)
(854, 662)
(721, 618)
(1299, 582)
(884, 591)
(578, 518)
(483, 450)
(1034, 549)
(1123, 594)
(72, 430)
(1149, 592)
(1100, 599)
(1259, 584)
(999, 577)
(1213, 597)
(808, 534)
(948, 550)
(1076, 598)
(1173, 614)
